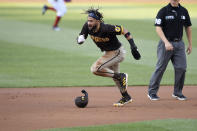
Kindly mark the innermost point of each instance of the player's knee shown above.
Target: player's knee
(94, 70)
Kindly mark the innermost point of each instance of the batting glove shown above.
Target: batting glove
(80, 39)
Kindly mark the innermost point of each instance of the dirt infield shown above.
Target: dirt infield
(23, 109)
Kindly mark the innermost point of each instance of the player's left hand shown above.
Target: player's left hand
(134, 49)
(135, 53)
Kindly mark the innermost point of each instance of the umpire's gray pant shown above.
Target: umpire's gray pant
(178, 58)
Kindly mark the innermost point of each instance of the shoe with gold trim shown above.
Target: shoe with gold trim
(123, 101)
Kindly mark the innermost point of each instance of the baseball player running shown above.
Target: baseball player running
(59, 7)
(104, 36)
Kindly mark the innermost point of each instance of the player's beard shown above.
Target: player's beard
(92, 28)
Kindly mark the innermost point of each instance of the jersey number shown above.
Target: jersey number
(158, 21)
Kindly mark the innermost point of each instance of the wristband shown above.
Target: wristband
(127, 34)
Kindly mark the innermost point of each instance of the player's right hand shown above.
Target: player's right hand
(168, 46)
(80, 39)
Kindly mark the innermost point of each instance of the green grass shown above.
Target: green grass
(156, 125)
(32, 55)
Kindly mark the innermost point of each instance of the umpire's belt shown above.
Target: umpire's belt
(174, 39)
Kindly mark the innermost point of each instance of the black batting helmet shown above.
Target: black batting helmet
(82, 101)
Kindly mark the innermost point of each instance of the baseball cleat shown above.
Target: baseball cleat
(179, 97)
(123, 81)
(123, 101)
(44, 9)
(153, 97)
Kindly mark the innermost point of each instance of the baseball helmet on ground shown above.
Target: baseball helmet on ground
(82, 101)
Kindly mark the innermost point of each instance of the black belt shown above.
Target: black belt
(174, 39)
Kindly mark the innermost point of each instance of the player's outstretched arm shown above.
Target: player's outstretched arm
(83, 34)
(134, 49)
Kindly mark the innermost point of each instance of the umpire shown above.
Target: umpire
(169, 24)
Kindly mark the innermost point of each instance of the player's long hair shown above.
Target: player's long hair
(96, 12)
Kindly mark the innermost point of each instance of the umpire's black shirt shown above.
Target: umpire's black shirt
(105, 38)
(172, 20)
